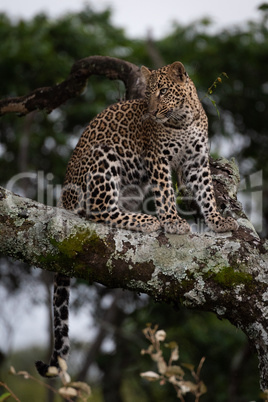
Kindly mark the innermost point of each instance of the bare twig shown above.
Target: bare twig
(9, 390)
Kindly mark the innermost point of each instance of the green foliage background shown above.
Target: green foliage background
(40, 52)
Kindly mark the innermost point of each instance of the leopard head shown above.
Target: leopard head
(170, 94)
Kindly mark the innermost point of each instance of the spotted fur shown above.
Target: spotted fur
(133, 146)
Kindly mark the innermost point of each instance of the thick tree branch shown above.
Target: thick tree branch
(49, 98)
(221, 273)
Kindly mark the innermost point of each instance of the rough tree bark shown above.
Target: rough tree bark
(223, 273)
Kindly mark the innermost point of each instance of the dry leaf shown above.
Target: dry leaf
(68, 392)
(62, 364)
(160, 335)
(174, 370)
(82, 386)
(52, 371)
(150, 376)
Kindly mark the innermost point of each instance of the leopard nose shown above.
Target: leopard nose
(153, 112)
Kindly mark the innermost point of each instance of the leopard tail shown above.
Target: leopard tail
(61, 328)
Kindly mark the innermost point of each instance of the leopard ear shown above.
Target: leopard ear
(145, 73)
(178, 72)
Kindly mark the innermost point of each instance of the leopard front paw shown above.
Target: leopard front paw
(220, 224)
(149, 225)
(176, 225)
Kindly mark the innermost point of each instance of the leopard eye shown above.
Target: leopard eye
(163, 91)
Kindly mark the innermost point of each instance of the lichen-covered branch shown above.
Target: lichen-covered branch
(222, 273)
(49, 98)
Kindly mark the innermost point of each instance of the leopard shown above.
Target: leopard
(128, 149)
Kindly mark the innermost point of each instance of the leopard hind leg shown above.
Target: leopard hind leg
(105, 190)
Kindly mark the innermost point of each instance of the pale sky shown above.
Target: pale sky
(138, 16)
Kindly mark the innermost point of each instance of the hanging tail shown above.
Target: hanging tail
(61, 328)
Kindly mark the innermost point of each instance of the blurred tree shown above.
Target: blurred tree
(39, 53)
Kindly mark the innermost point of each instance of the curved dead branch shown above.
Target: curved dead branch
(49, 98)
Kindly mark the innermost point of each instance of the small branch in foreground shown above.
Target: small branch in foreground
(10, 393)
(169, 372)
(68, 390)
